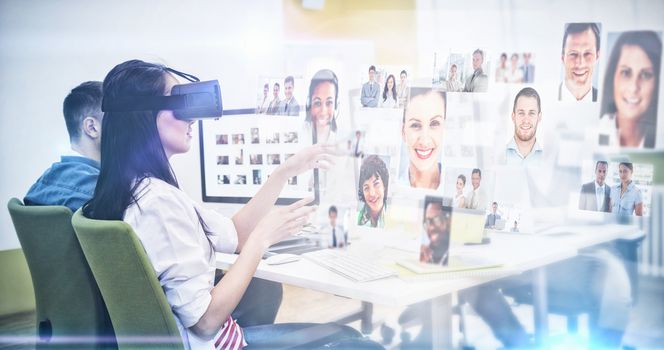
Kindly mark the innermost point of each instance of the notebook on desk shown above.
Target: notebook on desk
(470, 264)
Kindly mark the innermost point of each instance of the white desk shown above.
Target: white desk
(518, 252)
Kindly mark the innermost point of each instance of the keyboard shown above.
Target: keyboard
(348, 265)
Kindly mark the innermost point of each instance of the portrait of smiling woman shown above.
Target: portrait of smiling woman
(631, 89)
(422, 135)
(322, 105)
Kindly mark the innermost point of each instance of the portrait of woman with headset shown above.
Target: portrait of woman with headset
(322, 106)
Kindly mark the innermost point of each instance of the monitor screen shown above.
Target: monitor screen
(239, 152)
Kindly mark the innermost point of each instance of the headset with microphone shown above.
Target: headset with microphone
(322, 76)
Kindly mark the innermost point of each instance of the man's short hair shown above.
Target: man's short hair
(528, 92)
(332, 209)
(277, 84)
(403, 72)
(289, 79)
(476, 171)
(433, 201)
(479, 52)
(494, 203)
(83, 101)
(601, 162)
(576, 28)
(266, 86)
(372, 68)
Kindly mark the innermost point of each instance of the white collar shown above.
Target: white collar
(73, 153)
(566, 95)
(536, 148)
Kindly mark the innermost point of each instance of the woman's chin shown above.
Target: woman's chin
(425, 166)
(323, 124)
(375, 210)
(630, 115)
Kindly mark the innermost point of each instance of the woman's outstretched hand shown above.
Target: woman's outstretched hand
(282, 222)
(319, 156)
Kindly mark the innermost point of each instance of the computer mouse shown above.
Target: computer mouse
(279, 259)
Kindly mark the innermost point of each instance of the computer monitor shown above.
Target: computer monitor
(468, 225)
(500, 224)
(239, 152)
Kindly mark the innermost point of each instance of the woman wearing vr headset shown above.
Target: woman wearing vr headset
(180, 237)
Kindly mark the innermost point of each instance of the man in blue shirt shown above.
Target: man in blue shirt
(492, 218)
(370, 90)
(523, 148)
(528, 69)
(71, 181)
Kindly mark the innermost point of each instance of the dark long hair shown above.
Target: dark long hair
(651, 44)
(394, 88)
(131, 149)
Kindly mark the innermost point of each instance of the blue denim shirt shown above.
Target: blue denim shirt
(625, 205)
(70, 182)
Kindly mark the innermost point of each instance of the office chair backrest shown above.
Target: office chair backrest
(70, 309)
(141, 315)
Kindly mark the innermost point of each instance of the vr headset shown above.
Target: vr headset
(193, 101)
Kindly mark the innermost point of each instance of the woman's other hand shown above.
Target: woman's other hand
(319, 156)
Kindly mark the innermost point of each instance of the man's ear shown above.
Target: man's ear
(92, 127)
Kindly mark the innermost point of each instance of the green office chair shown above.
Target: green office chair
(141, 315)
(70, 309)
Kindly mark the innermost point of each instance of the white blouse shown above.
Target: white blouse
(608, 132)
(181, 253)
(389, 102)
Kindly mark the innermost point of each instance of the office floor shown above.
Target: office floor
(644, 330)
(300, 305)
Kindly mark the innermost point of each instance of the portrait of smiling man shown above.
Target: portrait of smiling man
(580, 54)
(524, 148)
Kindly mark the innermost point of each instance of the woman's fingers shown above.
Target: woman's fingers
(299, 204)
(323, 165)
(325, 158)
(295, 226)
(299, 212)
(323, 161)
(329, 148)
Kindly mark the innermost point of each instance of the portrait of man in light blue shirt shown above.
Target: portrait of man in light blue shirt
(523, 148)
(370, 90)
